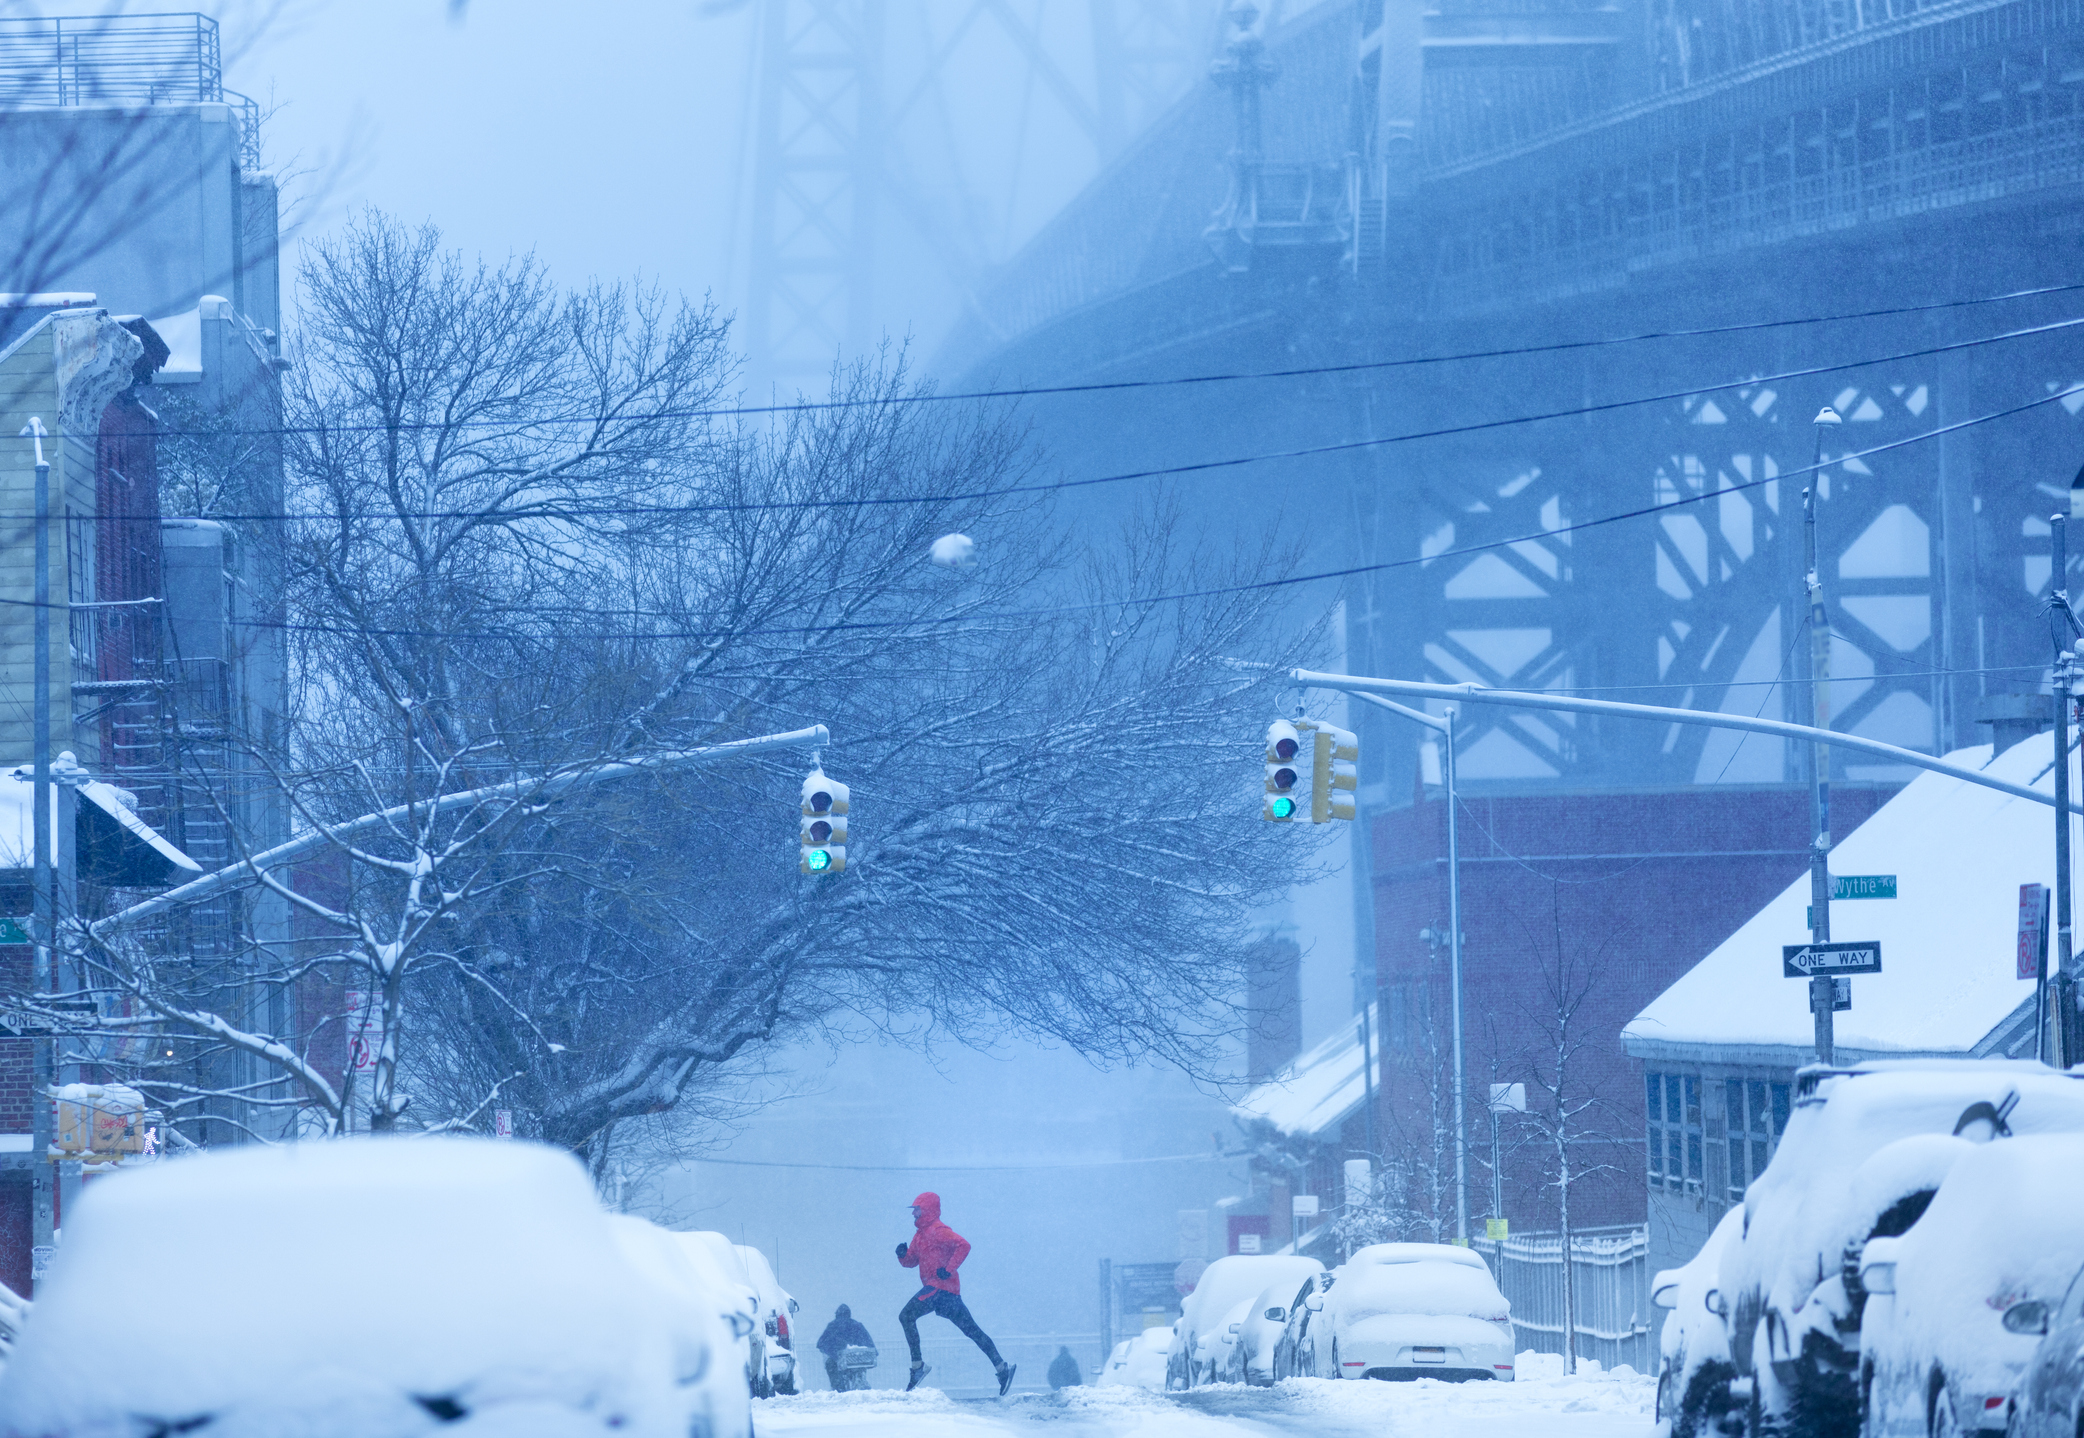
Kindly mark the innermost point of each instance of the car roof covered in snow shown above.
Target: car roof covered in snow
(1318, 1090)
(1949, 983)
(1240, 1278)
(1818, 1193)
(1427, 1287)
(1417, 1253)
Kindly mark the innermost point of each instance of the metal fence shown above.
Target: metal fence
(1612, 1271)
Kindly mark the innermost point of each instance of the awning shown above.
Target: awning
(112, 845)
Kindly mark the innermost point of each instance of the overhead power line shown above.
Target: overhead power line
(553, 510)
(1212, 591)
(1169, 382)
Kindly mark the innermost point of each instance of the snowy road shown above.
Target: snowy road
(1545, 1406)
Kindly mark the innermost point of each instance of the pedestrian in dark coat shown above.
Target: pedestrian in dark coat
(1063, 1369)
(937, 1251)
(843, 1332)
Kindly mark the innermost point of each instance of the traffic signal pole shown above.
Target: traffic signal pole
(1444, 726)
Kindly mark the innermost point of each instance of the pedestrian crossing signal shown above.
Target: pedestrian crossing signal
(1334, 773)
(822, 834)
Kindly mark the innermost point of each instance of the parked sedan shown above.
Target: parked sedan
(1957, 1305)
(1138, 1362)
(1259, 1336)
(1217, 1302)
(2051, 1397)
(1414, 1310)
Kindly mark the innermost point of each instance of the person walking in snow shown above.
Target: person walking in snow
(937, 1251)
(1063, 1369)
(843, 1332)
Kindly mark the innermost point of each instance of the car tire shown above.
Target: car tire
(1941, 1421)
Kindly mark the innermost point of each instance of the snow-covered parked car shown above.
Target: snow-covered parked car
(661, 1260)
(715, 1261)
(1259, 1338)
(1412, 1310)
(1139, 1362)
(1789, 1283)
(1214, 1312)
(1956, 1307)
(358, 1288)
(777, 1317)
(2051, 1398)
(1295, 1354)
(1693, 1369)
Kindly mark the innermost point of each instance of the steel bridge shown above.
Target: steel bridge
(1375, 180)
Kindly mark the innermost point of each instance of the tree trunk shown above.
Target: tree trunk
(1569, 1260)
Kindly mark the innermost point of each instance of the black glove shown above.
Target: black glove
(942, 1273)
(902, 1248)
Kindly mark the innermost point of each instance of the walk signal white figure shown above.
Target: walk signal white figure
(823, 834)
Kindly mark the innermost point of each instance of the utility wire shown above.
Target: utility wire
(553, 510)
(1213, 591)
(1177, 381)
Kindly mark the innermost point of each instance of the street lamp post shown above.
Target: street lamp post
(43, 925)
(1822, 989)
(1444, 726)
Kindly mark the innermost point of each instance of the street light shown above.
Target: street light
(1444, 726)
(1822, 989)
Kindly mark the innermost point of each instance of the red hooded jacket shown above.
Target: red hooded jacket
(935, 1247)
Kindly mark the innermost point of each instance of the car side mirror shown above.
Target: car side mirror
(1715, 1303)
(1235, 1326)
(1314, 1303)
(2029, 1316)
(1276, 1315)
(1879, 1278)
(741, 1326)
(1665, 1295)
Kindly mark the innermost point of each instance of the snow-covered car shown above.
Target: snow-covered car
(1295, 1354)
(1789, 1283)
(657, 1256)
(1693, 1369)
(1956, 1306)
(1259, 1337)
(777, 1317)
(1205, 1332)
(356, 1288)
(1414, 1310)
(715, 1259)
(2051, 1398)
(1139, 1362)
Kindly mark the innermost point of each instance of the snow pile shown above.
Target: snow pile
(876, 1413)
(1594, 1403)
(365, 1287)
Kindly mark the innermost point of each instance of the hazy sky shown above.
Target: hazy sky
(605, 138)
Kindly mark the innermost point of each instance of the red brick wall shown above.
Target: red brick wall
(1642, 887)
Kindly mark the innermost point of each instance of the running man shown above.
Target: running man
(937, 1251)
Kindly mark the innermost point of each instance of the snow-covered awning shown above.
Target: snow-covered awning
(1318, 1091)
(1949, 983)
(113, 845)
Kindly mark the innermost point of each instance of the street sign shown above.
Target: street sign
(13, 931)
(1863, 886)
(46, 1018)
(2033, 929)
(1841, 994)
(1496, 1229)
(1803, 961)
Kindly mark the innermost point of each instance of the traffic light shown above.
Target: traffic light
(1334, 773)
(1285, 768)
(823, 835)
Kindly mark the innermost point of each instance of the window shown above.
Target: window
(1676, 1155)
(1757, 1117)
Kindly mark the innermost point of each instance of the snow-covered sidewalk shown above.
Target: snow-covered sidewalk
(1542, 1404)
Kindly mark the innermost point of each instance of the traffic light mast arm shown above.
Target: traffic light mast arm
(533, 790)
(1524, 699)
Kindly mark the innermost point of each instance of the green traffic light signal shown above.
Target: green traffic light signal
(1284, 807)
(819, 860)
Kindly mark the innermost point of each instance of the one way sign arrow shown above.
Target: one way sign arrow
(1804, 961)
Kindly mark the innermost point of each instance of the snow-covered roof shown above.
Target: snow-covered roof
(1949, 940)
(1319, 1090)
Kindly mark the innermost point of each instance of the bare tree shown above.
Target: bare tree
(1564, 1111)
(522, 546)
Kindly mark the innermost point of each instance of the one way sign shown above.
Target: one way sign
(1804, 961)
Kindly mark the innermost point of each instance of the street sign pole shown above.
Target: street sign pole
(1822, 993)
(2061, 621)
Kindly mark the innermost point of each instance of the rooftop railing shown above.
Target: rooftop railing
(156, 59)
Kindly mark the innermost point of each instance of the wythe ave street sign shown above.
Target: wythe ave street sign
(1805, 961)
